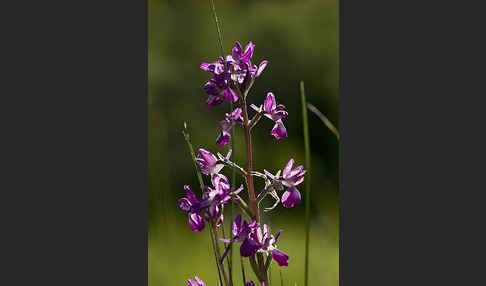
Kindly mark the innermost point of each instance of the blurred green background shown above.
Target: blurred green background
(300, 41)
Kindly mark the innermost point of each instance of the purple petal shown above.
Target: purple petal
(261, 67)
(190, 195)
(279, 115)
(196, 222)
(250, 283)
(223, 138)
(201, 283)
(209, 67)
(237, 51)
(230, 96)
(288, 167)
(184, 204)
(281, 258)
(291, 197)
(296, 171)
(220, 220)
(213, 100)
(248, 53)
(248, 248)
(213, 210)
(207, 156)
(277, 236)
(269, 104)
(236, 227)
(279, 131)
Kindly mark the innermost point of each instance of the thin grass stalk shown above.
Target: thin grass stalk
(187, 137)
(233, 178)
(324, 119)
(243, 270)
(281, 279)
(307, 181)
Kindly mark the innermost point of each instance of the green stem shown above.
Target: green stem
(233, 178)
(307, 180)
(243, 270)
(212, 235)
(324, 119)
(187, 137)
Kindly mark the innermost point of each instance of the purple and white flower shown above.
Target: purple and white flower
(229, 121)
(239, 72)
(208, 162)
(290, 178)
(274, 112)
(198, 282)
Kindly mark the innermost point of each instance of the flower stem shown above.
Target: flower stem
(212, 234)
(307, 180)
(249, 170)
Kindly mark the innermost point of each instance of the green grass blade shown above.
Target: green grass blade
(187, 137)
(307, 180)
(233, 178)
(324, 119)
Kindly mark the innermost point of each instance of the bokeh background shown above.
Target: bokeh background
(300, 41)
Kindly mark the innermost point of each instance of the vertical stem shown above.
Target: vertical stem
(217, 253)
(307, 180)
(249, 177)
(212, 234)
(243, 271)
(220, 38)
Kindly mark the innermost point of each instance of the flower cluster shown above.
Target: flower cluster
(229, 121)
(232, 77)
(213, 199)
(235, 71)
(253, 240)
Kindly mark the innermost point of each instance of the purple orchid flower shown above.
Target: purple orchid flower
(275, 113)
(241, 231)
(192, 206)
(254, 240)
(198, 282)
(208, 162)
(219, 196)
(290, 178)
(242, 59)
(268, 244)
(229, 121)
(240, 71)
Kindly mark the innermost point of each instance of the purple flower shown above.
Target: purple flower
(229, 121)
(198, 282)
(290, 178)
(253, 240)
(239, 72)
(275, 113)
(192, 206)
(293, 177)
(218, 196)
(281, 258)
(209, 163)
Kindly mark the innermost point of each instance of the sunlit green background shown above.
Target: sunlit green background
(300, 41)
